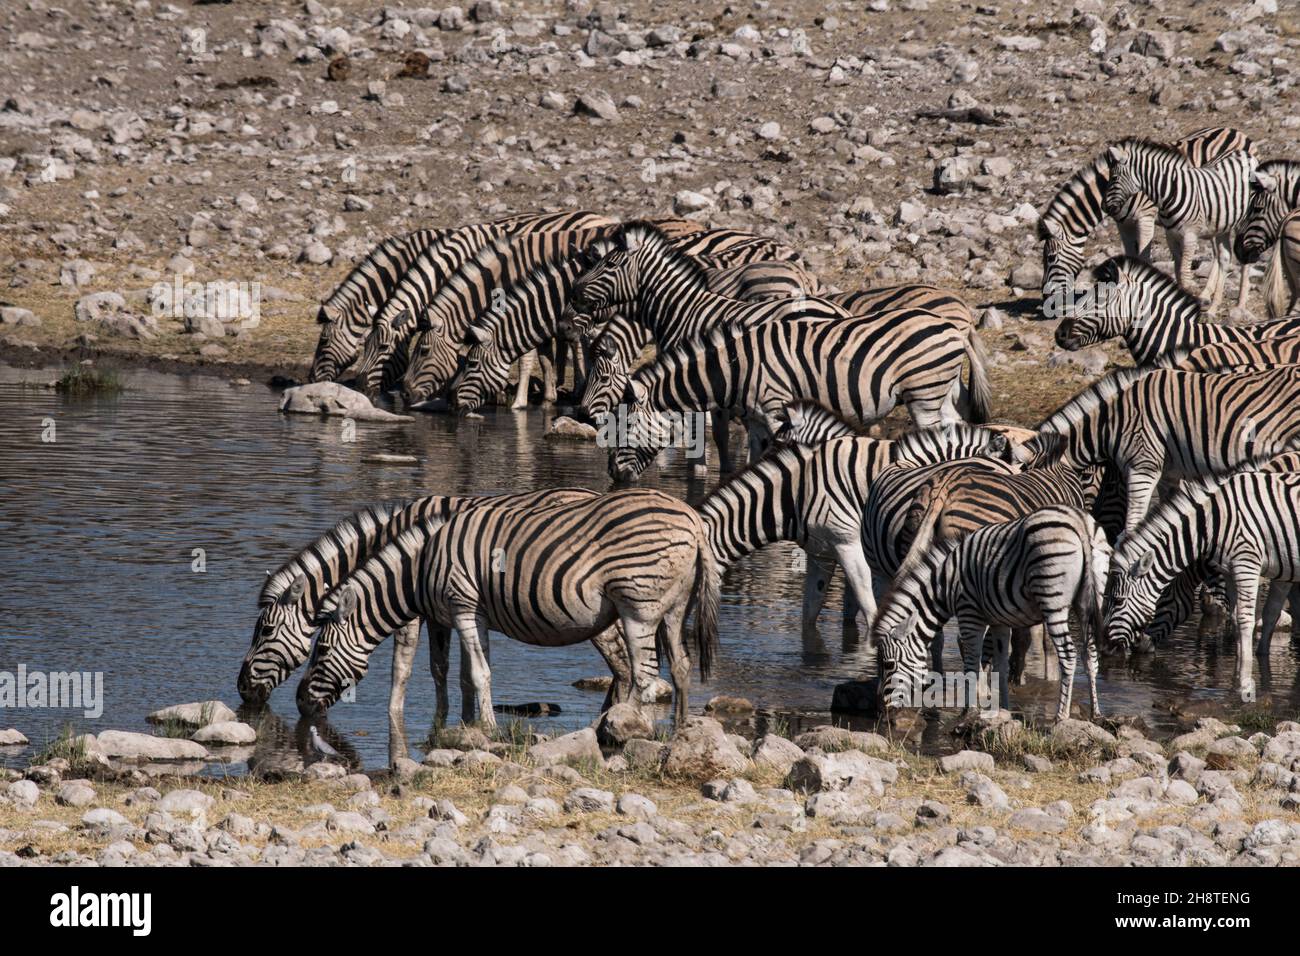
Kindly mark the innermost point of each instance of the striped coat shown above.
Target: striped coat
(1245, 526)
(546, 576)
(1154, 315)
(1021, 573)
(1171, 424)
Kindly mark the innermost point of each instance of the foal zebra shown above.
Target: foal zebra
(1076, 210)
(1191, 201)
(1171, 424)
(1021, 573)
(1154, 315)
(1245, 526)
(550, 577)
(859, 368)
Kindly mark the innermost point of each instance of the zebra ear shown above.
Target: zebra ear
(639, 393)
(477, 334)
(327, 313)
(296, 590)
(1265, 181)
(998, 447)
(1053, 228)
(347, 603)
(793, 416)
(632, 240)
(1143, 564)
(1117, 154)
(401, 318)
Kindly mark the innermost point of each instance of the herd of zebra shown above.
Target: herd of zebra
(1153, 490)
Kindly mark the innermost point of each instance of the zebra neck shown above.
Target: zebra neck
(673, 302)
(1176, 323)
(754, 509)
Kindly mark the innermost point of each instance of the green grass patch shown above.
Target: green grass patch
(88, 380)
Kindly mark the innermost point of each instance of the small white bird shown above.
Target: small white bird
(319, 747)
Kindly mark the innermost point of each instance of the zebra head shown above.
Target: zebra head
(1123, 190)
(341, 655)
(634, 432)
(903, 657)
(1119, 300)
(1132, 593)
(606, 378)
(281, 642)
(1062, 262)
(613, 280)
(1267, 209)
(486, 369)
(335, 348)
(433, 363)
(380, 344)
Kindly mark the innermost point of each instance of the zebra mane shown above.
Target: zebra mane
(409, 542)
(1189, 496)
(1101, 392)
(325, 548)
(1287, 172)
(1141, 272)
(648, 232)
(810, 423)
(776, 456)
(1080, 184)
(908, 583)
(519, 292)
(1140, 144)
(929, 446)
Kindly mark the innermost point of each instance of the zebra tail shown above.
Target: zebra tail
(1091, 623)
(981, 395)
(708, 587)
(1276, 294)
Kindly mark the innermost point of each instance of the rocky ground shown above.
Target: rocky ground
(1079, 795)
(273, 142)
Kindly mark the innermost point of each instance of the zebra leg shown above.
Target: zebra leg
(1022, 638)
(1243, 290)
(635, 636)
(526, 362)
(579, 363)
(1278, 592)
(722, 438)
(971, 632)
(609, 643)
(1246, 585)
(1182, 258)
(1058, 629)
(857, 575)
(552, 373)
(816, 580)
(439, 664)
(1090, 662)
(679, 663)
(405, 641)
(470, 626)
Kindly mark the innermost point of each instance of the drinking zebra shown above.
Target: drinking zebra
(1244, 526)
(423, 257)
(1165, 423)
(1191, 201)
(860, 368)
(1021, 573)
(1077, 209)
(813, 494)
(551, 577)
(1154, 314)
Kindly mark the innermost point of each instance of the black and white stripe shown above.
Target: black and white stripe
(1154, 315)
(1021, 573)
(1274, 195)
(1191, 202)
(550, 577)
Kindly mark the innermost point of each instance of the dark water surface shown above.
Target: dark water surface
(98, 531)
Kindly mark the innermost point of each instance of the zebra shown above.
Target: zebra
(859, 367)
(1191, 200)
(1282, 280)
(426, 256)
(550, 577)
(1274, 196)
(1021, 573)
(1260, 354)
(1077, 209)
(1154, 314)
(1157, 423)
(813, 494)
(525, 319)
(292, 595)
(1245, 526)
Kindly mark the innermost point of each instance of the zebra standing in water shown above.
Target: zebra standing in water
(1022, 573)
(1271, 221)
(1077, 209)
(1191, 200)
(550, 577)
(813, 494)
(1154, 314)
(860, 368)
(1245, 526)
(1170, 424)
(292, 596)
